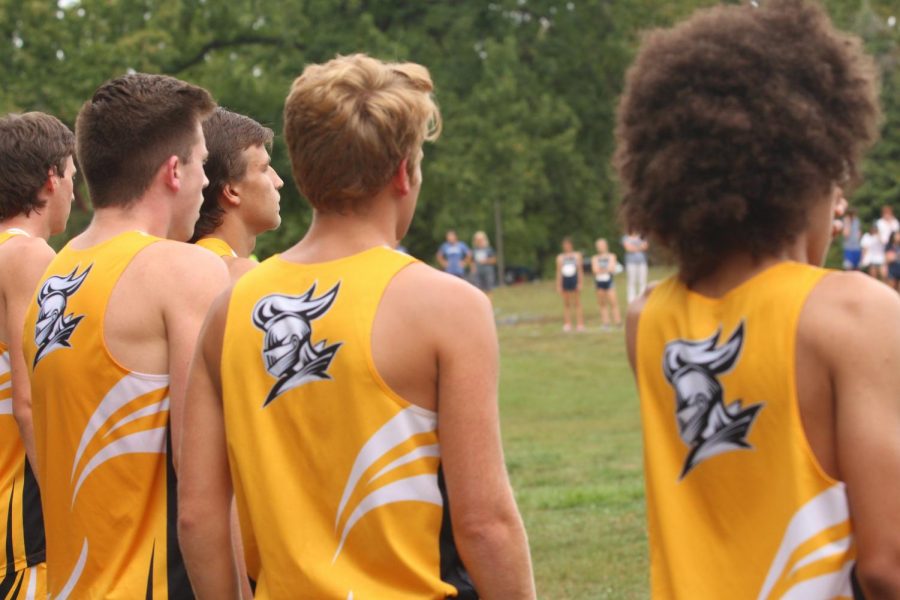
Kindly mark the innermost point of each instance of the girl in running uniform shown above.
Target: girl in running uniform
(892, 257)
(603, 265)
(568, 284)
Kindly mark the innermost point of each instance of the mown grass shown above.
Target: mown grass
(572, 438)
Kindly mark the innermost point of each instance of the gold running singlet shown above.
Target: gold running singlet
(217, 245)
(337, 478)
(102, 435)
(21, 523)
(738, 506)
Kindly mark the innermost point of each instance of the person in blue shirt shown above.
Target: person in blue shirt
(454, 256)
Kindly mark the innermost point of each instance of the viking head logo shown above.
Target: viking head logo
(288, 350)
(53, 327)
(705, 423)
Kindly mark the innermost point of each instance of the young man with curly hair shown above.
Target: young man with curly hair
(357, 412)
(241, 200)
(36, 193)
(770, 388)
(108, 340)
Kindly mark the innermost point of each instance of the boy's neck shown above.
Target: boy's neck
(738, 268)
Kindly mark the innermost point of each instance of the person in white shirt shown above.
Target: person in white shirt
(873, 253)
(887, 224)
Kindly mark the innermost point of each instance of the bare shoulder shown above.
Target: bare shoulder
(855, 297)
(186, 263)
(850, 307)
(26, 250)
(238, 266)
(22, 261)
(440, 293)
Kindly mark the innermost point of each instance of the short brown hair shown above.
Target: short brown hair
(350, 122)
(736, 121)
(129, 127)
(31, 145)
(227, 135)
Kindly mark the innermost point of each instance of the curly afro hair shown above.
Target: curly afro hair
(734, 123)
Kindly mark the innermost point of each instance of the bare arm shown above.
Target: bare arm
(486, 522)
(559, 274)
(205, 489)
(580, 270)
(632, 318)
(865, 377)
(33, 258)
(441, 260)
(202, 278)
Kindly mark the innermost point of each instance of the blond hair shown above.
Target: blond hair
(350, 122)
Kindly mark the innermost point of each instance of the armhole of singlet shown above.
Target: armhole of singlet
(794, 329)
(370, 358)
(106, 349)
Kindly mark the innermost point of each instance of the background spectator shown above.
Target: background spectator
(453, 255)
(852, 232)
(873, 253)
(635, 264)
(484, 261)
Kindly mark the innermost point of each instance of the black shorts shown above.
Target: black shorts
(570, 284)
(894, 271)
(604, 285)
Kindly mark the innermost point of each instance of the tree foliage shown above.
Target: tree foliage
(528, 89)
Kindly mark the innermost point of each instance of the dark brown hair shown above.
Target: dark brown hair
(350, 122)
(227, 135)
(31, 146)
(128, 129)
(736, 121)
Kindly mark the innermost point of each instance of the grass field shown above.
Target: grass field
(573, 445)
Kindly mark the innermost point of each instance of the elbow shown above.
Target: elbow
(495, 530)
(879, 575)
(191, 522)
(22, 414)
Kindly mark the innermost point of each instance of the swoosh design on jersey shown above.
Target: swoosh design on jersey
(823, 512)
(831, 585)
(129, 388)
(76, 573)
(404, 425)
(839, 547)
(152, 441)
(434, 450)
(418, 488)
(5, 372)
(144, 412)
(421, 488)
(32, 584)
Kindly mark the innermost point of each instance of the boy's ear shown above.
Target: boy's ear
(171, 174)
(400, 180)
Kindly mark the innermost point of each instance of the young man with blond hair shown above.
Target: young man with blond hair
(770, 387)
(36, 193)
(241, 200)
(108, 340)
(337, 392)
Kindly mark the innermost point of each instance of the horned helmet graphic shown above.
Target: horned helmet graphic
(53, 327)
(705, 423)
(289, 352)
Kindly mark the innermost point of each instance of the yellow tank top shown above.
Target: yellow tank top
(102, 439)
(21, 522)
(738, 507)
(217, 245)
(337, 478)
